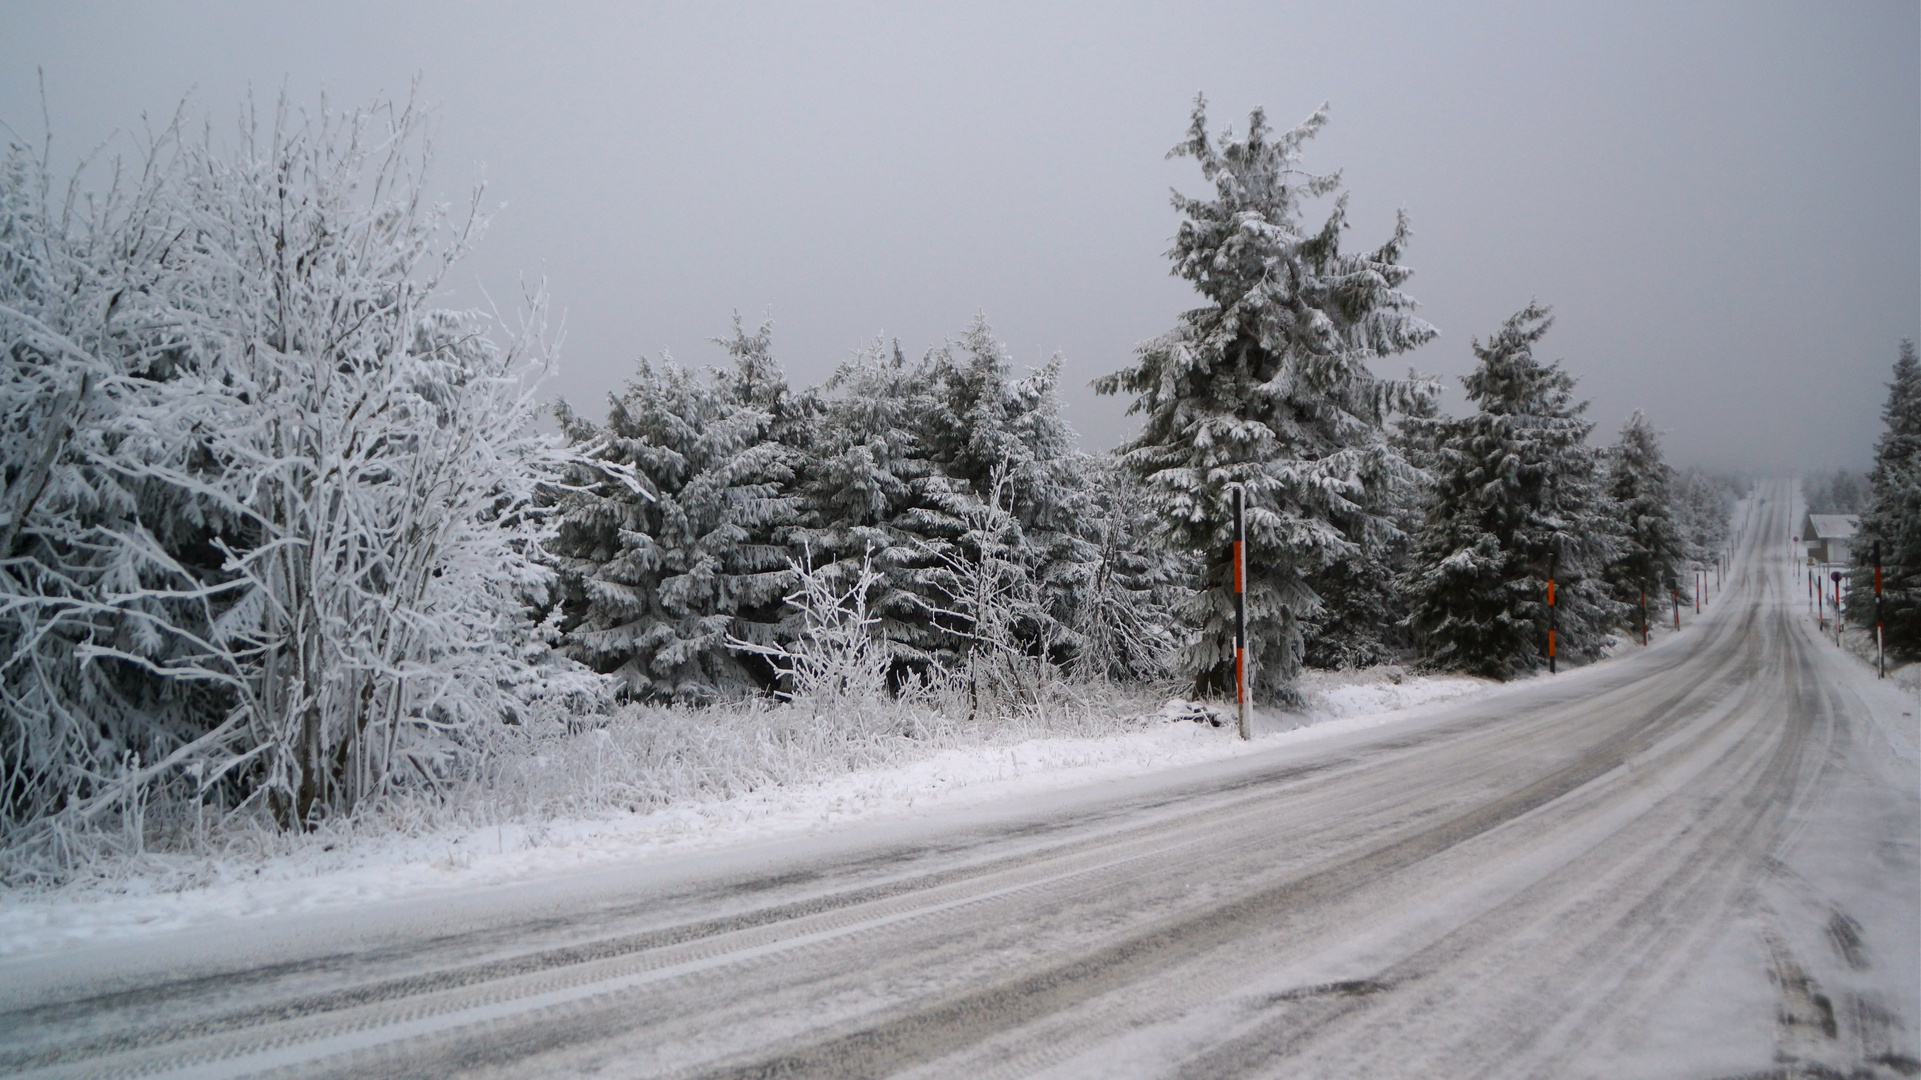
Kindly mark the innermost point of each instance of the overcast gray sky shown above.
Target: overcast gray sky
(1721, 201)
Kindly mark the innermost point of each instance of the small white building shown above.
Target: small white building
(1830, 537)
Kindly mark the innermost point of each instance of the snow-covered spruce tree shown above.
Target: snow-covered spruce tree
(1652, 549)
(956, 478)
(1894, 516)
(1703, 505)
(1514, 483)
(1006, 453)
(1268, 384)
(1364, 610)
(89, 554)
(1363, 616)
(1123, 601)
(296, 535)
(673, 539)
(867, 467)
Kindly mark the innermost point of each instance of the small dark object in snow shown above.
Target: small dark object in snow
(1345, 988)
(1198, 712)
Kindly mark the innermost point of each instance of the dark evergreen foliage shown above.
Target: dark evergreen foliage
(1516, 485)
(1268, 385)
(673, 538)
(1894, 517)
(953, 480)
(1652, 550)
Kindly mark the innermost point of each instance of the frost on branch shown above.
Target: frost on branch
(1268, 384)
(271, 517)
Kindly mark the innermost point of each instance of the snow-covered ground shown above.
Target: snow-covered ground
(333, 872)
(324, 875)
(1719, 876)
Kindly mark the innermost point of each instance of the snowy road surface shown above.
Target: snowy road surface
(1699, 861)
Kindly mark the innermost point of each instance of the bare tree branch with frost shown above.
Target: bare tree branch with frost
(840, 657)
(271, 514)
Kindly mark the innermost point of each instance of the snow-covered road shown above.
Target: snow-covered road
(1701, 861)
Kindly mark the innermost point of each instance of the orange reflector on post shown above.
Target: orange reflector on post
(1238, 562)
(1240, 675)
(1550, 644)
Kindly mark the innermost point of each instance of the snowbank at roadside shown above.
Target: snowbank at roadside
(364, 870)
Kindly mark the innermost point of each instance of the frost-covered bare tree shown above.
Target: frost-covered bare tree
(272, 514)
(838, 658)
(983, 594)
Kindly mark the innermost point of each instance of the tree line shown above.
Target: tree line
(1891, 518)
(281, 533)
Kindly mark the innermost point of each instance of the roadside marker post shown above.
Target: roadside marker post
(1880, 652)
(1644, 613)
(1675, 598)
(1553, 568)
(1838, 624)
(1240, 604)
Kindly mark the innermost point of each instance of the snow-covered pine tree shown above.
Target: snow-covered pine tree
(1123, 602)
(1268, 384)
(990, 432)
(868, 467)
(907, 464)
(1514, 483)
(1652, 549)
(88, 555)
(1894, 516)
(1702, 505)
(674, 537)
(1364, 609)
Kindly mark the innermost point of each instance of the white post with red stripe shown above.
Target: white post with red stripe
(1240, 605)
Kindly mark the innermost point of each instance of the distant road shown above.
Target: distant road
(1697, 861)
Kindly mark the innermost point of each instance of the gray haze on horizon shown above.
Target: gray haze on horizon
(1722, 202)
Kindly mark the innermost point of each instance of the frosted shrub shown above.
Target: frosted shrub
(272, 518)
(839, 658)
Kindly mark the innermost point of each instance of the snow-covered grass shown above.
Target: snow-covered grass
(1860, 644)
(637, 760)
(656, 782)
(652, 782)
